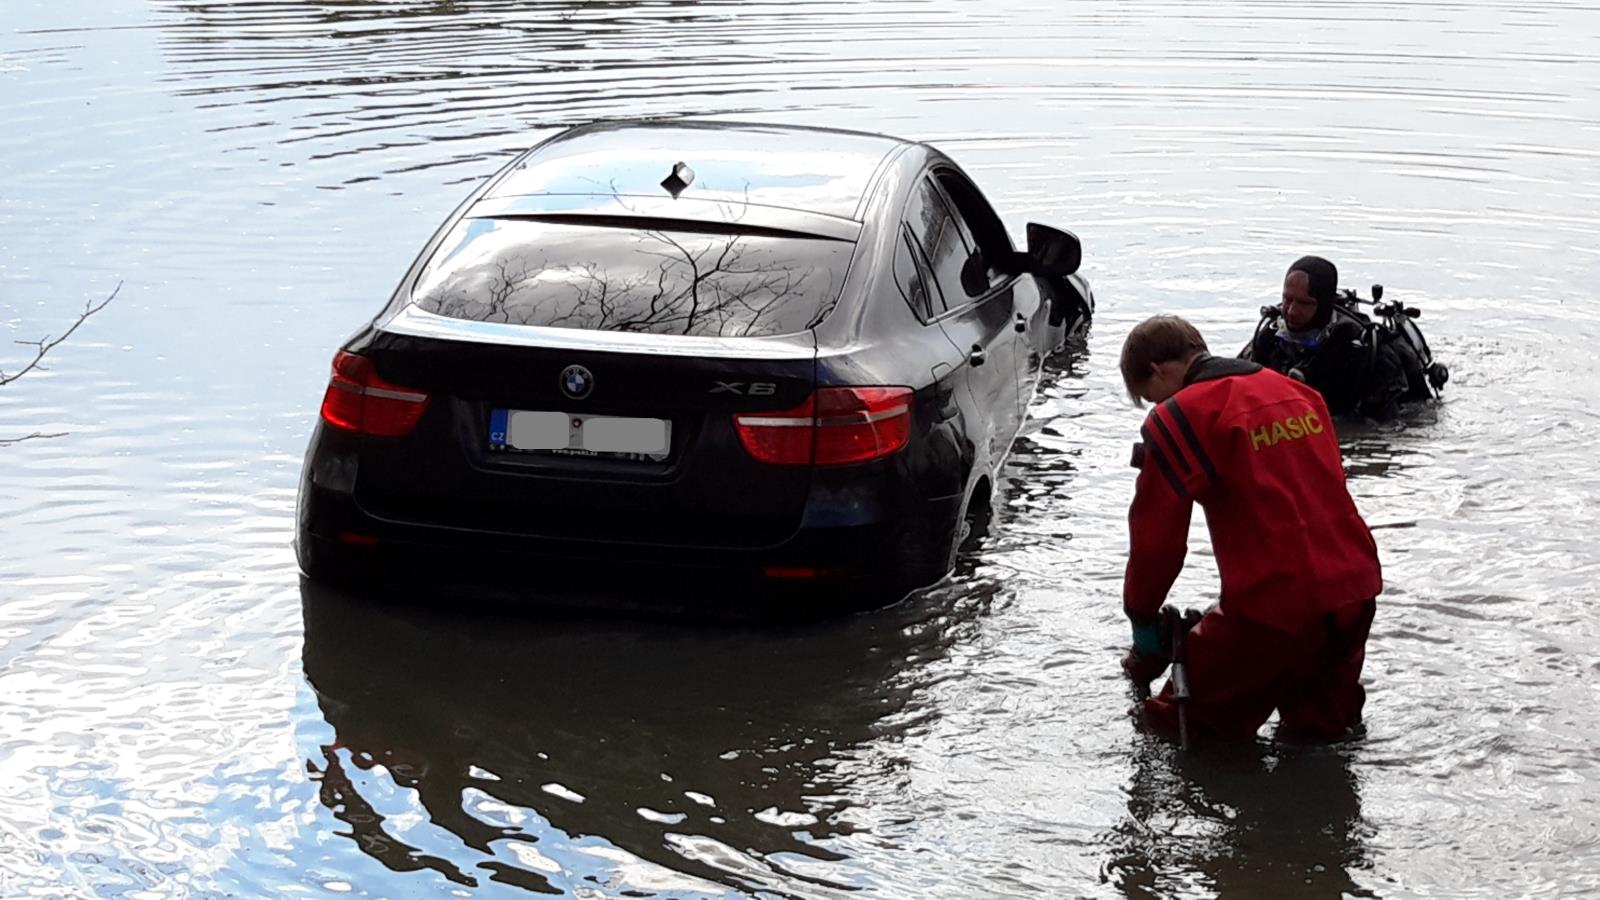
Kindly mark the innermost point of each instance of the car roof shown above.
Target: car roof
(741, 171)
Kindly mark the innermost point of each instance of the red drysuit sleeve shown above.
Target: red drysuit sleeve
(1158, 519)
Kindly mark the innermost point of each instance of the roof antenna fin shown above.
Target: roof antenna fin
(680, 179)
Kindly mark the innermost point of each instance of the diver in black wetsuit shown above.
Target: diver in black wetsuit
(1330, 346)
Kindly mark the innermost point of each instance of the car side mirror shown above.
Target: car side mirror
(1052, 251)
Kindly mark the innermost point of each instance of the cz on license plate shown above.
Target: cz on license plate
(579, 434)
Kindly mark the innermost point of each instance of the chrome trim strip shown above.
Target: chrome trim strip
(775, 422)
(868, 419)
(771, 422)
(889, 413)
(394, 395)
(413, 321)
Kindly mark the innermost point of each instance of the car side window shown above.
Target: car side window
(908, 276)
(936, 232)
(980, 225)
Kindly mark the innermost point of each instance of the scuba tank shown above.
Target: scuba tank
(1395, 324)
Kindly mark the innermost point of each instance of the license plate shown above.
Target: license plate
(576, 434)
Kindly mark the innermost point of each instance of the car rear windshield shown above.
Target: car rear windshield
(634, 277)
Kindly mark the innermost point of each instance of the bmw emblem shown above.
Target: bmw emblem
(576, 382)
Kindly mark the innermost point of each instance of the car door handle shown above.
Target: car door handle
(976, 357)
(1022, 323)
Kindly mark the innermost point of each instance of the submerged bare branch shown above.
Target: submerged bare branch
(43, 346)
(46, 344)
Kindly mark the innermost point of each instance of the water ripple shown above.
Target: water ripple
(179, 715)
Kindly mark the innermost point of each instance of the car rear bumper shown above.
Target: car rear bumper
(851, 562)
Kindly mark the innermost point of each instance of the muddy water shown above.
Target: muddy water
(179, 717)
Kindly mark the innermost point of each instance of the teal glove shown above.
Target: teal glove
(1148, 659)
(1147, 640)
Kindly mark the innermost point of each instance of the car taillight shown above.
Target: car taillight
(834, 426)
(358, 400)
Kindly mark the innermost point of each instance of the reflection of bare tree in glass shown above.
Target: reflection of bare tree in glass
(727, 290)
(720, 286)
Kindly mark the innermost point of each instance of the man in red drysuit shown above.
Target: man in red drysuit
(1299, 569)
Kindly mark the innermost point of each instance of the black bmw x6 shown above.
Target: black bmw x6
(685, 355)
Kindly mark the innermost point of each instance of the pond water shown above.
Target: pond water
(179, 716)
